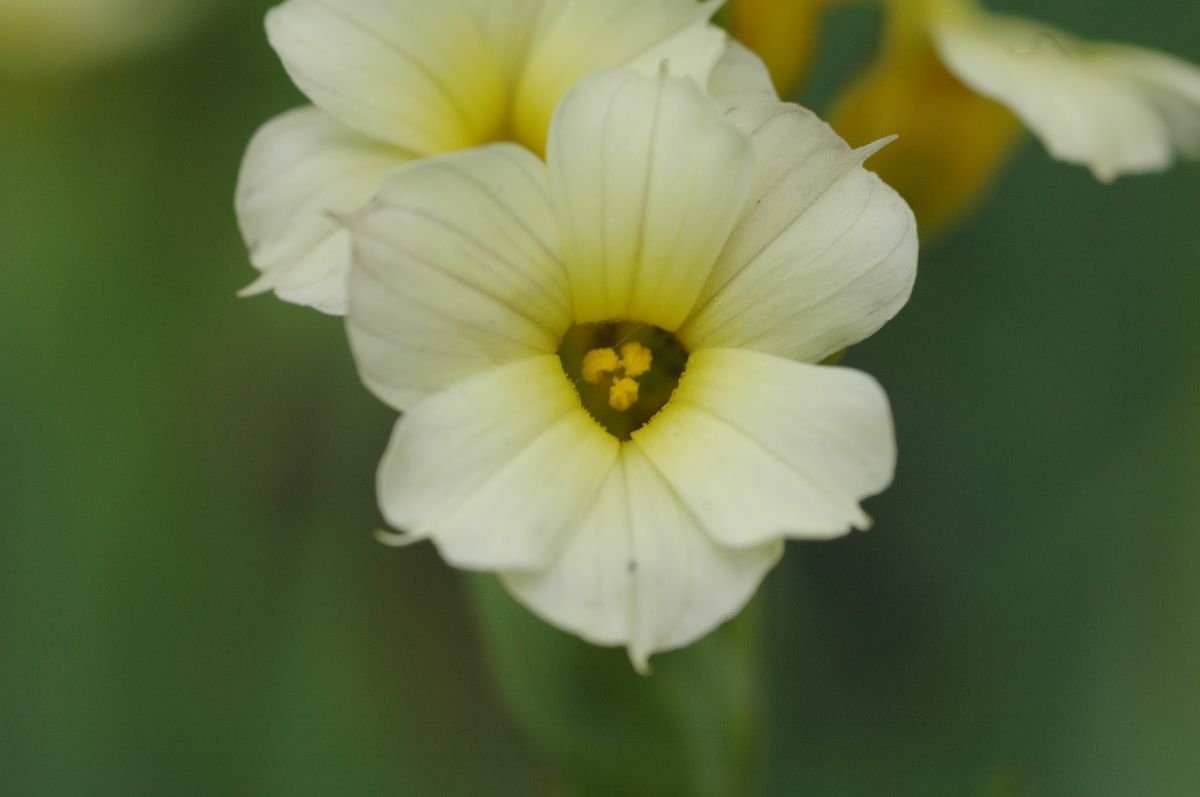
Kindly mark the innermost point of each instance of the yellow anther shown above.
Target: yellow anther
(636, 359)
(597, 363)
(623, 395)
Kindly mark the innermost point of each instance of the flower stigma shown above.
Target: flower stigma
(624, 372)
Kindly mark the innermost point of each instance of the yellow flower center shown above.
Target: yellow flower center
(603, 366)
(624, 372)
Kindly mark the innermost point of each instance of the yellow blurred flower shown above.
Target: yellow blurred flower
(40, 37)
(783, 33)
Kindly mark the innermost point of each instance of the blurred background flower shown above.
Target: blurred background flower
(48, 37)
(950, 79)
(191, 601)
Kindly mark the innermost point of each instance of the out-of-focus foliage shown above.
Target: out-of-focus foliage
(191, 602)
(695, 727)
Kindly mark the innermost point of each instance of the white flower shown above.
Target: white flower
(397, 80)
(1114, 108)
(532, 321)
(39, 37)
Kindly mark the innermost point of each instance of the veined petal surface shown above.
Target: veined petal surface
(758, 447)
(497, 468)
(455, 271)
(824, 255)
(640, 570)
(573, 38)
(300, 169)
(420, 75)
(1113, 108)
(647, 179)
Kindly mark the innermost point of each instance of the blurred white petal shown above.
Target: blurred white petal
(1114, 108)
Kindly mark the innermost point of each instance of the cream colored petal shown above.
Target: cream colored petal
(692, 52)
(1172, 83)
(417, 74)
(1113, 108)
(647, 179)
(741, 78)
(759, 447)
(455, 271)
(497, 468)
(640, 571)
(573, 38)
(825, 254)
(300, 169)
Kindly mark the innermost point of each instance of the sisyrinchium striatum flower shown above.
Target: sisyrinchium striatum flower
(958, 82)
(608, 362)
(393, 81)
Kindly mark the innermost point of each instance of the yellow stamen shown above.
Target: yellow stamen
(636, 359)
(597, 363)
(623, 395)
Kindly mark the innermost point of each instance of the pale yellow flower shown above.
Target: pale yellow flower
(393, 81)
(607, 362)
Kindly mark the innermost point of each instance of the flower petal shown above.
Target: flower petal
(454, 272)
(416, 74)
(825, 254)
(647, 179)
(574, 38)
(1113, 108)
(496, 468)
(760, 447)
(510, 27)
(692, 52)
(740, 78)
(640, 571)
(1174, 85)
(299, 169)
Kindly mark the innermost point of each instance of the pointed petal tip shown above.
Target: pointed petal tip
(640, 659)
(396, 539)
(867, 151)
(264, 284)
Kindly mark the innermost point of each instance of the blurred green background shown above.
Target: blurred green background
(191, 601)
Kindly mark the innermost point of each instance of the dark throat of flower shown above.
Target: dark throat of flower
(623, 371)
